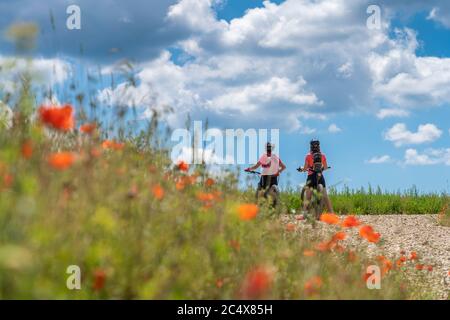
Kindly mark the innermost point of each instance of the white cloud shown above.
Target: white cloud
(333, 128)
(379, 160)
(405, 80)
(428, 157)
(281, 63)
(389, 113)
(250, 98)
(440, 16)
(400, 135)
(43, 72)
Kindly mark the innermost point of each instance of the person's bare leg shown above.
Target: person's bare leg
(307, 198)
(327, 201)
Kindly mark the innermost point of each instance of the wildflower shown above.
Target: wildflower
(8, 180)
(219, 283)
(235, 244)
(366, 276)
(205, 197)
(247, 211)
(351, 256)
(430, 268)
(183, 166)
(290, 227)
(179, 185)
(191, 179)
(324, 246)
(95, 152)
(158, 192)
(413, 256)
(313, 285)
(350, 221)
(402, 252)
(257, 283)
(399, 262)
(27, 149)
(209, 182)
(368, 233)
(339, 236)
(387, 266)
(99, 279)
(309, 253)
(329, 218)
(61, 160)
(88, 128)
(419, 267)
(110, 144)
(57, 118)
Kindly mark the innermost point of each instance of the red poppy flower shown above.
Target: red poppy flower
(369, 234)
(183, 166)
(257, 283)
(235, 245)
(309, 253)
(88, 128)
(61, 160)
(338, 236)
(329, 218)
(290, 227)
(313, 285)
(27, 149)
(110, 144)
(247, 211)
(158, 192)
(99, 279)
(350, 221)
(57, 118)
(209, 182)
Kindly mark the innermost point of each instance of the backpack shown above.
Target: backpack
(317, 162)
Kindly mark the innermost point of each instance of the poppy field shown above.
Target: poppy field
(141, 227)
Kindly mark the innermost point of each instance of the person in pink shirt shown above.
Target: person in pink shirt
(272, 166)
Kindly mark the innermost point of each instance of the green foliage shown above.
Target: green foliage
(369, 202)
(101, 214)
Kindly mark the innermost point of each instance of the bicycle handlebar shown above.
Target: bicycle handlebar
(253, 172)
(300, 169)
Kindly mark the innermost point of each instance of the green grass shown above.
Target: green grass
(363, 201)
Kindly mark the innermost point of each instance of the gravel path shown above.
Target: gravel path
(419, 233)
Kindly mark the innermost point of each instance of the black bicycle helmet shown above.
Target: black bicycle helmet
(314, 145)
(270, 146)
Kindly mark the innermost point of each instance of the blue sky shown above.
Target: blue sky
(304, 67)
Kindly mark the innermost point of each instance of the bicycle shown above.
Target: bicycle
(314, 207)
(273, 191)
